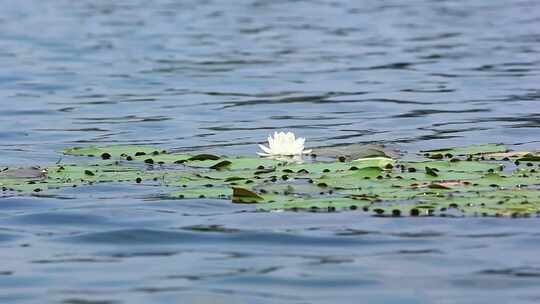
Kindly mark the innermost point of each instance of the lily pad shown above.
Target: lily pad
(381, 162)
(354, 151)
(238, 163)
(470, 150)
(318, 167)
(314, 204)
(454, 166)
(482, 180)
(159, 159)
(352, 179)
(113, 151)
(93, 173)
(530, 158)
(213, 192)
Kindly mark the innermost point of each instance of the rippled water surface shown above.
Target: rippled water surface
(219, 76)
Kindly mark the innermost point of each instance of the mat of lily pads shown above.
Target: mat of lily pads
(478, 180)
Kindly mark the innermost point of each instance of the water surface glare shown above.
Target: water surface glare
(218, 76)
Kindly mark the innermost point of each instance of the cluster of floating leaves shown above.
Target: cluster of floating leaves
(482, 180)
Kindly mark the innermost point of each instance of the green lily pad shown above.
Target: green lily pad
(351, 179)
(469, 150)
(322, 204)
(93, 173)
(213, 192)
(113, 151)
(147, 154)
(238, 163)
(354, 151)
(492, 203)
(458, 181)
(454, 166)
(530, 158)
(381, 162)
(288, 188)
(161, 158)
(318, 167)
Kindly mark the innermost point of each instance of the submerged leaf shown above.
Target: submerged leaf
(245, 196)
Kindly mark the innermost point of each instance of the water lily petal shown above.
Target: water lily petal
(270, 142)
(299, 145)
(265, 149)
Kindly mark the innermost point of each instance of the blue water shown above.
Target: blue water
(218, 76)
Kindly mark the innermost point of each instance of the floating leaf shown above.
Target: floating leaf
(162, 158)
(381, 162)
(457, 166)
(453, 182)
(221, 165)
(114, 151)
(470, 150)
(288, 188)
(314, 204)
(354, 151)
(214, 193)
(350, 180)
(252, 163)
(507, 154)
(203, 157)
(319, 167)
(239, 163)
(530, 158)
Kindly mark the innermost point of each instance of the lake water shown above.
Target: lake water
(218, 76)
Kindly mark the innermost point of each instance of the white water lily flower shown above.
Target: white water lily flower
(284, 144)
